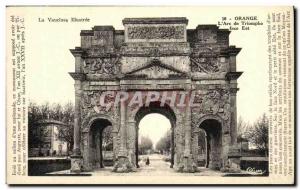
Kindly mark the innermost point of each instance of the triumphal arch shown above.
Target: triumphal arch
(156, 65)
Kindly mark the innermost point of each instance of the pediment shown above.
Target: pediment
(156, 69)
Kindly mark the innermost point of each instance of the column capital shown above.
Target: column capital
(233, 50)
(77, 52)
(78, 76)
(233, 91)
(233, 75)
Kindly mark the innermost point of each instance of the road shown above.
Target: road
(157, 167)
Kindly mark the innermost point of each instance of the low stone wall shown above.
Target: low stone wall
(41, 166)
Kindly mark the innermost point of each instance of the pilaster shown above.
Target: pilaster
(123, 163)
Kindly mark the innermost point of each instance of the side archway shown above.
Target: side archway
(96, 143)
(212, 125)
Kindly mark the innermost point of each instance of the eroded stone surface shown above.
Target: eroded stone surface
(157, 54)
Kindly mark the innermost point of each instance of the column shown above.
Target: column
(77, 120)
(232, 77)
(232, 164)
(188, 132)
(172, 145)
(123, 152)
(78, 76)
(100, 144)
(76, 158)
(123, 165)
(207, 141)
(231, 152)
(189, 165)
(137, 146)
(233, 119)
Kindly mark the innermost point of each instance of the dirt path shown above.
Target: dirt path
(157, 167)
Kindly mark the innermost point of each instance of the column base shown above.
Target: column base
(123, 165)
(231, 166)
(187, 165)
(233, 162)
(76, 163)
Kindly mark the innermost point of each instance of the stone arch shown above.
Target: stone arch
(154, 107)
(165, 110)
(178, 71)
(211, 116)
(93, 127)
(88, 121)
(213, 126)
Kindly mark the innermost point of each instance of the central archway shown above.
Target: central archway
(165, 110)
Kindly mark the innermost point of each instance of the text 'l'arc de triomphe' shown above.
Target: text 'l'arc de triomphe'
(161, 55)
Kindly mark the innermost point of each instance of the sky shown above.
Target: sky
(151, 123)
(49, 60)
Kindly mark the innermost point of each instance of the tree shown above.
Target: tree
(65, 114)
(107, 142)
(35, 114)
(107, 138)
(57, 112)
(145, 144)
(258, 134)
(242, 128)
(164, 144)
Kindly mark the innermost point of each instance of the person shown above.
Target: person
(147, 161)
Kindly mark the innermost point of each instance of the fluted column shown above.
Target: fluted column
(77, 120)
(123, 131)
(78, 76)
(123, 164)
(76, 158)
(188, 132)
(231, 151)
(187, 163)
(233, 119)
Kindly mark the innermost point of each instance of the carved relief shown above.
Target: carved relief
(156, 32)
(102, 38)
(156, 72)
(101, 34)
(156, 69)
(155, 50)
(90, 103)
(107, 55)
(206, 65)
(212, 102)
(106, 66)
